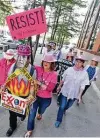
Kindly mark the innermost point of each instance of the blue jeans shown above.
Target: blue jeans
(64, 105)
(41, 104)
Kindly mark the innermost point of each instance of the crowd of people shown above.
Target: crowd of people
(74, 84)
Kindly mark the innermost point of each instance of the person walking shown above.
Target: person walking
(5, 64)
(92, 71)
(72, 85)
(70, 57)
(20, 83)
(49, 49)
(47, 79)
(75, 55)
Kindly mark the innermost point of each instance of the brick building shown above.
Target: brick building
(89, 39)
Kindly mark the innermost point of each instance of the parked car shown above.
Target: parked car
(12, 44)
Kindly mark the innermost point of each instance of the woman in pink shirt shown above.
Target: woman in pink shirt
(5, 64)
(47, 79)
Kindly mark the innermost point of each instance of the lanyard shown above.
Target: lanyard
(44, 79)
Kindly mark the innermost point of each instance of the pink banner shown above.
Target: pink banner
(28, 23)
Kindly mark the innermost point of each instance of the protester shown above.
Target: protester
(81, 53)
(92, 71)
(47, 79)
(49, 49)
(75, 55)
(5, 64)
(54, 45)
(58, 54)
(73, 83)
(53, 50)
(20, 85)
(70, 57)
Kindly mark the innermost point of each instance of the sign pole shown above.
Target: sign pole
(30, 38)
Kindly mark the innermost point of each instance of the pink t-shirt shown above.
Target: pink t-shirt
(49, 79)
(4, 68)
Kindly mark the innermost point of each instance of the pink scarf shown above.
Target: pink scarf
(78, 69)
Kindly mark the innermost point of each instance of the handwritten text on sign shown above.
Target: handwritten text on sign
(28, 23)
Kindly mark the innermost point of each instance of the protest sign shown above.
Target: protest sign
(14, 103)
(28, 23)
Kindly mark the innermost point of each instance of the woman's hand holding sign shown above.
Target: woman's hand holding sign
(2, 89)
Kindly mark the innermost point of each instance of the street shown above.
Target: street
(79, 121)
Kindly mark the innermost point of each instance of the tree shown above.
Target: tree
(5, 9)
(65, 19)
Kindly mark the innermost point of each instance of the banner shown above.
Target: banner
(14, 103)
(28, 23)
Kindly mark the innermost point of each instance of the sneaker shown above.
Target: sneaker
(57, 124)
(23, 118)
(28, 134)
(10, 132)
(39, 117)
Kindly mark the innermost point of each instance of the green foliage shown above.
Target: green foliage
(5, 9)
(66, 24)
(63, 19)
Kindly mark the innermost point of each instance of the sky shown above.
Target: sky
(81, 19)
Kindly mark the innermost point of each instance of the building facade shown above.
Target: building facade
(89, 39)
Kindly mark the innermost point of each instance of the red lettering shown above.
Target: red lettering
(18, 22)
(13, 26)
(10, 100)
(25, 20)
(32, 19)
(37, 16)
(4, 96)
(22, 104)
(24, 24)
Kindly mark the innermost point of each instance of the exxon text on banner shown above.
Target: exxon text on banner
(28, 23)
(13, 103)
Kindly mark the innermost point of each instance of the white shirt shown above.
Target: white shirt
(51, 52)
(73, 82)
(57, 53)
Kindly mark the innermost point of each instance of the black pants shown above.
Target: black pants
(86, 87)
(13, 119)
